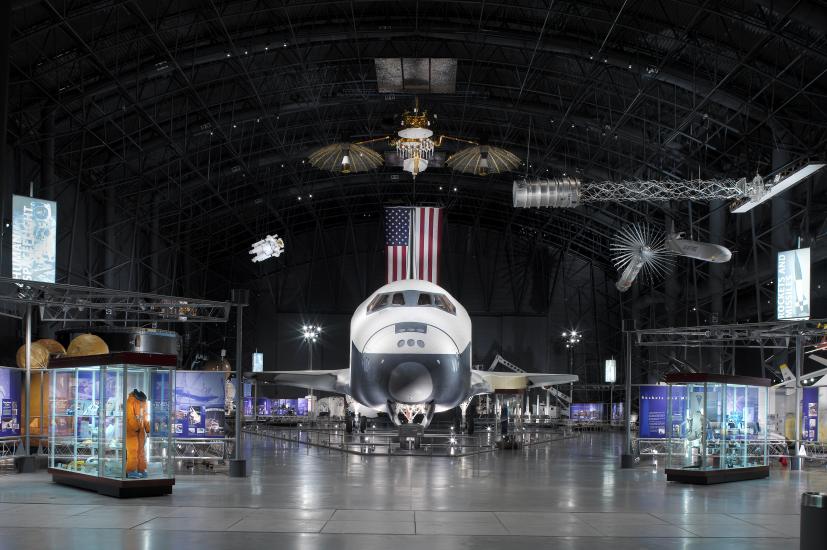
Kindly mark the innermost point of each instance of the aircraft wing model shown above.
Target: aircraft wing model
(324, 380)
(483, 382)
(410, 356)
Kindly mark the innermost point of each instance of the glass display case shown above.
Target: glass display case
(110, 423)
(718, 428)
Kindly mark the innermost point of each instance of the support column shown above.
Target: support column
(25, 462)
(796, 462)
(717, 272)
(6, 180)
(47, 156)
(628, 459)
(238, 465)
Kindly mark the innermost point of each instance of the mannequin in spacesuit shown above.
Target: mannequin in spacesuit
(137, 426)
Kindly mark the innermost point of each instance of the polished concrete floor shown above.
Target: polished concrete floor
(569, 495)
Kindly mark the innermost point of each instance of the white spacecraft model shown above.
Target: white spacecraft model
(706, 252)
(270, 246)
(642, 248)
(410, 356)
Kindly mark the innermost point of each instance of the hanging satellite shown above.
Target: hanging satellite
(640, 247)
(637, 248)
(415, 144)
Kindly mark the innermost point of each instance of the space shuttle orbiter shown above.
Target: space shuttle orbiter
(410, 356)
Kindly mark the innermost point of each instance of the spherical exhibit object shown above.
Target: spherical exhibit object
(54, 347)
(87, 344)
(39, 356)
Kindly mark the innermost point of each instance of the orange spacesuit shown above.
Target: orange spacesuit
(137, 426)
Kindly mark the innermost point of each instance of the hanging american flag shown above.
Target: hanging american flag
(413, 237)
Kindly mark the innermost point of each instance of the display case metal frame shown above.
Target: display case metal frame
(712, 468)
(117, 486)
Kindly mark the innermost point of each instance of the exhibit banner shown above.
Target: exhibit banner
(617, 412)
(248, 406)
(9, 402)
(199, 404)
(159, 417)
(258, 362)
(34, 239)
(587, 412)
(809, 414)
(263, 406)
(654, 401)
(793, 285)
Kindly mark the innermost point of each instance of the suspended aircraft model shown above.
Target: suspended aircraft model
(410, 356)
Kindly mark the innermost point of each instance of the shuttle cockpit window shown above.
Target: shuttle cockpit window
(439, 301)
(442, 302)
(386, 300)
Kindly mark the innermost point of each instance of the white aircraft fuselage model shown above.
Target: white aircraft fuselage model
(410, 356)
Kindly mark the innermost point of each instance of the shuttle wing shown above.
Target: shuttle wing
(325, 380)
(489, 382)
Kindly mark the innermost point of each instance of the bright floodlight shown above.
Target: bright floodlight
(311, 332)
(270, 246)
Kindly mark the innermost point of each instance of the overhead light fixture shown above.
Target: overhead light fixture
(760, 190)
(346, 162)
(270, 246)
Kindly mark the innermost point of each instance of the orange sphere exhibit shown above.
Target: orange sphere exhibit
(87, 344)
(39, 356)
(54, 347)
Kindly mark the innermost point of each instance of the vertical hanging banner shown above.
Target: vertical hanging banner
(793, 285)
(34, 239)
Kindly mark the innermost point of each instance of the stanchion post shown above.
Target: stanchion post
(628, 459)
(238, 465)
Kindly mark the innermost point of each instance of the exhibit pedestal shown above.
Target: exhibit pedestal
(629, 461)
(26, 464)
(238, 467)
(120, 488)
(711, 477)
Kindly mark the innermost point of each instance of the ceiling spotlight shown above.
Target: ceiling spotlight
(270, 246)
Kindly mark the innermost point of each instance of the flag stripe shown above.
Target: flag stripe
(435, 246)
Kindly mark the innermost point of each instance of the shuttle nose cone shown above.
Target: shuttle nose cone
(410, 382)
